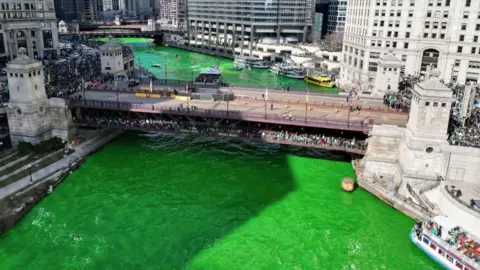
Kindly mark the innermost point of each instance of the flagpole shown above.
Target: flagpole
(228, 97)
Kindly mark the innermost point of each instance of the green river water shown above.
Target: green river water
(149, 201)
(188, 65)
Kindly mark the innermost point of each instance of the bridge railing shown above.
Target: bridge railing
(226, 114)
(239, 134)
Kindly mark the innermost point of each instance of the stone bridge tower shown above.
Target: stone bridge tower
(32, 117)
(422, 150)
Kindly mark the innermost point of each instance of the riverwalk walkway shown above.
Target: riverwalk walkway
(82, 150)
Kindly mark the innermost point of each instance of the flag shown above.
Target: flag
(116, 83)
(266, 94)
(151, 85)
(306, 100)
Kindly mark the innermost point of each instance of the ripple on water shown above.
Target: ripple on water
(156, 201)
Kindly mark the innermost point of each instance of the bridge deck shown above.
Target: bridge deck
(281, 109)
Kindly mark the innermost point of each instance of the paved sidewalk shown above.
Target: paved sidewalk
(81, 150)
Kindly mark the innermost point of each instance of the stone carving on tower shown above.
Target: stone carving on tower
(30, 112)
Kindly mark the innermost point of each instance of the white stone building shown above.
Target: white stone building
(31, 116)
(113, 60)
(440, 33)
(408, 162)
(28, 24)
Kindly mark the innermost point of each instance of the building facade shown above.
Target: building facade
(173, 13)
(224, 25)
(28, 24)
(69, 10)
(440, 34)
(337, 12)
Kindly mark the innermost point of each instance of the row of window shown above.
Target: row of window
(383, 13)
(394, 2)
(387, 44)
(19, 15)
(442, 252)
(471, 64)
(391, 23)
(30, 74)
(18, 6)
(112, 54)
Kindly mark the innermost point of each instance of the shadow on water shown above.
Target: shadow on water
(156, 205)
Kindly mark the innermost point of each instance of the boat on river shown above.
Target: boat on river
(320, 80)
(151, 51)
(250, 62)
(447, 243)
(287, 70)
(156, 65)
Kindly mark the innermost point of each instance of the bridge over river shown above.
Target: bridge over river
(242, 117)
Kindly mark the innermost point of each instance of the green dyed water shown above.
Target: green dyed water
(164, 202)
(188, 65)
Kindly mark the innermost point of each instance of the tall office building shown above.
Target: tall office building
(442, 34)
(28, 24)
(172, 12)
(69, 10)
(224, 25)
(337, 12)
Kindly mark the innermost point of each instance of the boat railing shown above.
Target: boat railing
(452, 250)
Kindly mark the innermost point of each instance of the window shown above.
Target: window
(477, 27)
(444, 25)
(389, 33)
(427, 24)
(427, 103)
(404, 57)
(465, 14)
(459, 49)
(444, 104)
(395, 34)
(435, 104)
(475, 38)
(375, 23)
(407, 34)
(397, 24)
(429, 14)
(409, 24)
(442, 36)
(430, 3)
(462, 38)
(473, 64)
(447, 3)
(445, 14)
(467, 3)
(457, 63)
(434, 35)
(429, 149)
(474, 50)
(394, 44)
(435, 25)
(405, 45)
(425, 35)
(410, 13)
(464, 26)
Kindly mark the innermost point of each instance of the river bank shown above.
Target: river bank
(18, 198)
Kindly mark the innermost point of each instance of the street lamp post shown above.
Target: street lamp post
(165, 68)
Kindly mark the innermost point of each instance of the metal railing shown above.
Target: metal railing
(450, 192)
(226, 114)
(225, 134)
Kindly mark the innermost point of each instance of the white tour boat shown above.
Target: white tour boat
(288, 71)
(250, 62)
(156, 65)
(447, 243)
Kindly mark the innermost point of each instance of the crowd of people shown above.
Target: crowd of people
(403, 98)
(465, 131)
(314, 139)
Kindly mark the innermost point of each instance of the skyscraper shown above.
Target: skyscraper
(223, 25)
(337, 12)
(69, 10)
(440, 34)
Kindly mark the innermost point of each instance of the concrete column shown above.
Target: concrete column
(234, 27)
(305, 31)
(243, 40)
(217, 40)
(225, 30)
(252, 32)
(10, 42)
(40, 48)
(29, 43)
(196, 32)
(203, 34)
(278, 34)
(210, 36)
